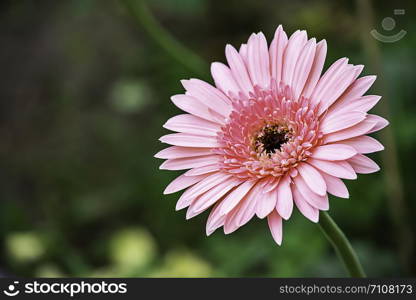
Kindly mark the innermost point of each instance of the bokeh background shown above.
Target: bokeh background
(84, 89)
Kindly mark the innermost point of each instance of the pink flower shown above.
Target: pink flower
(271, 134)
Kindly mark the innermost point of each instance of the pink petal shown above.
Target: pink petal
(224, 79)
(359, 87)
(380, 123)
(316, 70)
(213, 195)
(189, 162)
(319, 202)
(230, 224)
(312, 178)
(258, 60)
(243, 53)
(266, 203)
(277, 48)
(340, 169)
(275, 225)
(195, 107)
(357, 71)
(303, 67)
(335, 186)
(187, 123)
(238, 69)
(356, 90)
(270, 185)
(208, 95)
(247, 207)
(363, 104)
(304, 207)
(201, 187)
(290, 57)
(179, 152)
(363, 165)
(284, 203)
(190, 213)
(332, 123)
(203, 170)
(190, 140)
(336, 86)
(364, 144)
(184, 201)
(334, 152)
(242, 213)
(359, 129)
(325, 82)
(215, 220)
(235, 196)
(182, 182)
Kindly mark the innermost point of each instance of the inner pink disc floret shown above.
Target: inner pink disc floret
(268, 111)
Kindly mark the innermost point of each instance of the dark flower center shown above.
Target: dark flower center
(271, 138)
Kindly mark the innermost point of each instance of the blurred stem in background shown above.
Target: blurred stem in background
(392, 176)
(143, 16)
(341, 244)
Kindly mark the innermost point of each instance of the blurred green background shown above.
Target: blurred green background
(84, 93)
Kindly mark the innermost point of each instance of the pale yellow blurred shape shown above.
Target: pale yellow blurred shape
(24, 246)
(182, 263)
(49, 271)
(132, 249)
(106, 272)
(130, 95)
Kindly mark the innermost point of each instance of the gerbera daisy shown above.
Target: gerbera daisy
(272, 134)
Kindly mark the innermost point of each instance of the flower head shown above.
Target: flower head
(271, 134)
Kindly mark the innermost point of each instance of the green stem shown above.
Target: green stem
(341, 244)
(143, 16)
